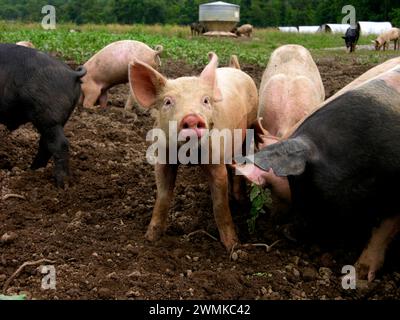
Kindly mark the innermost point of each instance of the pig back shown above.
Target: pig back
(110, 65)
(291, 88)
(238, 108)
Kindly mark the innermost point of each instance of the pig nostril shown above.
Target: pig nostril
(201, 125)
(193, 122)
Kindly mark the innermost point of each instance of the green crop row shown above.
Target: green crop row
(177, 41)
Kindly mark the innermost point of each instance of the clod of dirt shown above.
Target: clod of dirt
(133, 294)
(327, 260)
(240, 255)
(310, 274)
(105, 293)
(8, 237)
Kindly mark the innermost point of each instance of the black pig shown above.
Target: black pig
(351, 37)
(37, 88)
(342, 164)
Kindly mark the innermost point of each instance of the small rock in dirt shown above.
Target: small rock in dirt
(133, 294)
(240, 255)
(325, 273)
(8, 237)
(189, 273)
(327, 260)
(275, 296)
(105, 293)
(235, 256)
(112, 275)
(196, 259)
(135, 274)
(296, 294)
(289, 267)
(179, 253)
(73, 292)
(3, 278)
(296, 272)
(264, 291)
(132, 250)
(310, 274)
(243, 255)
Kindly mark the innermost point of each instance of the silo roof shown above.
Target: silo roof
(220, 3)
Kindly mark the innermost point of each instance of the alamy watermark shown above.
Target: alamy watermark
(49, 20)
(349, 280)
(198, 146)
(49, 280)
(350, 15)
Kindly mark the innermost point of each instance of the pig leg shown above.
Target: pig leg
(165, 178)
(43, 156)
(92, 94)
(103, 100)
(373, 256)
(58, 146)
(129, 103)
(239, 188)
(218, 181)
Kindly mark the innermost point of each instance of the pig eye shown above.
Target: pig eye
(207, 101)
(168, 103)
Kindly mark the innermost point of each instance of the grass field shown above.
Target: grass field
(177, 41)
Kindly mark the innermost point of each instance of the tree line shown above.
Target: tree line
(261, 13)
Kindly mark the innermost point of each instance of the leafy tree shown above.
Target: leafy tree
(262, 13)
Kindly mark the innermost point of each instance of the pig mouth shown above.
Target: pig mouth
(192, 133)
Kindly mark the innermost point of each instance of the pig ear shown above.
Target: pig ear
(344, 38)
(234, 62)
(209, 76)
(146, 83)
(287, 158)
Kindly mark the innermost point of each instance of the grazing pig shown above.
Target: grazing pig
(44, 91)
(384, 39)
(244, 30)
(109, 67)
(343, 164)
(198, 28)
(291, 88)
(351, 37)
(27, 44)
(222, 99)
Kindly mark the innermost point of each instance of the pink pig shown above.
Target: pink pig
(291, 88)
(220, 98)
(109, 67)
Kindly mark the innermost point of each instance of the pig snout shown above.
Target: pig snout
(193, 125)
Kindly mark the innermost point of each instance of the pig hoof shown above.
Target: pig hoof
(154, 234)
(365, 272)
(231, 244)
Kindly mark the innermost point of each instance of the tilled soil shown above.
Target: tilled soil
(94, 230)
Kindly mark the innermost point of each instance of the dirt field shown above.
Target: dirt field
(94, 230)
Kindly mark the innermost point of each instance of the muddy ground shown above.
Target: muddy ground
(94, 230)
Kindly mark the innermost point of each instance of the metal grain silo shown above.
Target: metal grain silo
(219, 16)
